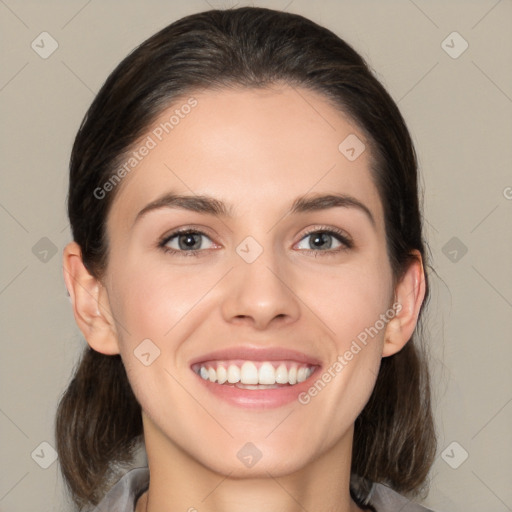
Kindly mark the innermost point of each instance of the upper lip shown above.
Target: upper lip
(255, 353)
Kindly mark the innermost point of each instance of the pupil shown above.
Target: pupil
(189, 241)
(321, 238)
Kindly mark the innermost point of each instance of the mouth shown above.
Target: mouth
(254, 374)
(261, 379)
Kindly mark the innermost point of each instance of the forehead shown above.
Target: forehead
(255, 149)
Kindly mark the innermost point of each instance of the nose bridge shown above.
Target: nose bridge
(258, 289)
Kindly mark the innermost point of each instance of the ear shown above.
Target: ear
(90, 303)
(409, 295)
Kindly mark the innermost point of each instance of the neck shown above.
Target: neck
(178, 482)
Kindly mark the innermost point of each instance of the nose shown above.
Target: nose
(260, 294)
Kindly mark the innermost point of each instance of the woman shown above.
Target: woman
(248, 270)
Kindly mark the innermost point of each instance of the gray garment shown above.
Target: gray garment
(123, 496)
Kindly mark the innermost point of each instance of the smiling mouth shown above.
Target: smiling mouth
(254, 374)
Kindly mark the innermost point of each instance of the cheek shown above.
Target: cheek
(351, 304)
(151, 301)
(351, 300)
(159, 304)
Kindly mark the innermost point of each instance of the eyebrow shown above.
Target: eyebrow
(211, 206)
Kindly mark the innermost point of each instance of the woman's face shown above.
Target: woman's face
(261, 282)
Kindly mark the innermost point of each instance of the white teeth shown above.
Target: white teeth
(282, 374)
(233, 374)
(239, 385)
(250, 376)
(302, 374)
(267, 374)
(249, 373)
(222, 375)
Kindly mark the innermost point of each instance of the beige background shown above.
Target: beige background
(459, 111)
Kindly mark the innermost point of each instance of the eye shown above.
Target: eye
(186, 241)
(189, 242)
(326, 240)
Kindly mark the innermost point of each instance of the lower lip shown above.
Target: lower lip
(258, 398)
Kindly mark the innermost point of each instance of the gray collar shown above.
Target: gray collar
(123, 496)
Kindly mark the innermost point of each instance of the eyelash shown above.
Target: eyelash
(338, 234)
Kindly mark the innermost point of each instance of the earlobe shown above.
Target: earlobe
(409, 295)
(90, 303)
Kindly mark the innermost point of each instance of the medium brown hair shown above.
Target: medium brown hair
(98, 421)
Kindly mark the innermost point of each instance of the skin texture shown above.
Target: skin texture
(257, 150)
